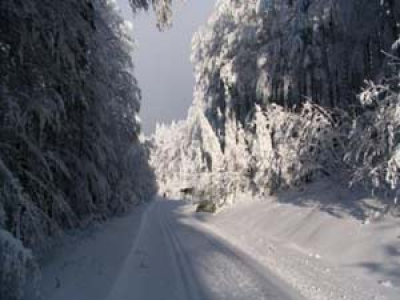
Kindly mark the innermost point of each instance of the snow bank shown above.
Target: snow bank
(321, 241)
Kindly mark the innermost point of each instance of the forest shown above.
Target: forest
(71, 151)
(287, 91)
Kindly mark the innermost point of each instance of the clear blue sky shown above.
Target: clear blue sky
(162, 60)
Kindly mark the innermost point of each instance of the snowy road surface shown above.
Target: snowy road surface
(166, 251)
(174, 257)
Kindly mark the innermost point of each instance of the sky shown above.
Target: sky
(162, 60)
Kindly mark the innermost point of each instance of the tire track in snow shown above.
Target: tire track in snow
(175, 257)
(182, 260)
(224, 271)
(260, 280)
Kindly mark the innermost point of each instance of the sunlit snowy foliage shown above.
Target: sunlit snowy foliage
(374, 150)
(281, 85)
(286, 52)
(277, 149)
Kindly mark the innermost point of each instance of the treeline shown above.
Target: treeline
(290, 51)
(286, 92)
(277, 149)
(70, 149)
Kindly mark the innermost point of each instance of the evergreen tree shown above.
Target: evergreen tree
(69, 141)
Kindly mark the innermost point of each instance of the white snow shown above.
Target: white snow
(175, 257)
(315, 240)
(86, 266)
(296, 246)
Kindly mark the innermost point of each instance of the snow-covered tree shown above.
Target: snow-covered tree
(279, 82)
(70, 150)
(185, 153)
(162, 8)
(288, 52)
(374, 147)
(235, 173)
(278, 149)
(310, 58)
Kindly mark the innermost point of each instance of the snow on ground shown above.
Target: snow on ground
(85, 267)
(175, 258)
(320, 240)
(300, 245)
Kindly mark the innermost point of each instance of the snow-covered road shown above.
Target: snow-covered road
(254, 250)
(175, 257)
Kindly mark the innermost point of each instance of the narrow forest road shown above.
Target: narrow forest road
(174, 257)
(163, 250)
